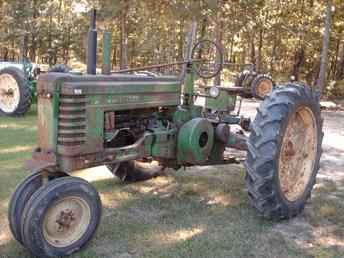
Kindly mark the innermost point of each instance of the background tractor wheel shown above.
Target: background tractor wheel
(261, 86)
(21, 196)
(15, 93)
(61, 217)
(284, 151)
(134, 171)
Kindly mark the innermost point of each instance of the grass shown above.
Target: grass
(199, 212)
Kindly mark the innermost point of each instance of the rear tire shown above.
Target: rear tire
(134, 171)
(284, 151)
(15, 93)
(61, 217)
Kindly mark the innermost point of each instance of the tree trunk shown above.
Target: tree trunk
(202, 36)
(124, 38)
(219, 37)
(260, 47)
(299, 61)
(181, 40)
(231, 57)
(324, 53)
(274, 53)
(253, 50)
(114, 57)
(335, 61)
(340, 65)
(67, 46)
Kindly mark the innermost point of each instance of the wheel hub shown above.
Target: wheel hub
(66, 221)
(9, 93)
(298, 153)
(264, 88)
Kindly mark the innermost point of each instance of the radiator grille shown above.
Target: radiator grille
(72, 120)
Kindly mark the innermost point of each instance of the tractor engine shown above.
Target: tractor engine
(89, 120)
(123, 128)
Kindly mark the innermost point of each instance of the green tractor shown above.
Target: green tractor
(137, 125)
(18, 81)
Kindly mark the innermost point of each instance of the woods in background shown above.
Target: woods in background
(281, 37)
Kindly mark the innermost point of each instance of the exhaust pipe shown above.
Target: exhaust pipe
(106, 66)
(92, 45)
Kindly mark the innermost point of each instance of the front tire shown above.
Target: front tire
(61, 217)
(284, 152)
(22, 194)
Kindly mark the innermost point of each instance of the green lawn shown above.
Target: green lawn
(199, 212)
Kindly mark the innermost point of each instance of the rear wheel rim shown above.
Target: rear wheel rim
(298, 154)
(264, 88)
(9, 93)
(66, 221)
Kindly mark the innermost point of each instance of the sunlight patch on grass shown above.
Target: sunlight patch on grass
(225, 200)
(16, 149)
(4, 204)
(4, 238)
(325, 186)
(328, 210)
(326, 237)
(114, 200)
(184, 234)
(17, 126)
(156, 186)
(94, 174)
(180, 235)
(11, 166)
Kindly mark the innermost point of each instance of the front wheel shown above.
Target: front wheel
(61, 217)
(22, 194)
(284, 151)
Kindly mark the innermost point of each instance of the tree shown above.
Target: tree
(324, 53)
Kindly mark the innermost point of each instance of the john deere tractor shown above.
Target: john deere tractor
(18, 81)
(137, 125)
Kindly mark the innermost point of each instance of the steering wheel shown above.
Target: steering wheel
(207, 57)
